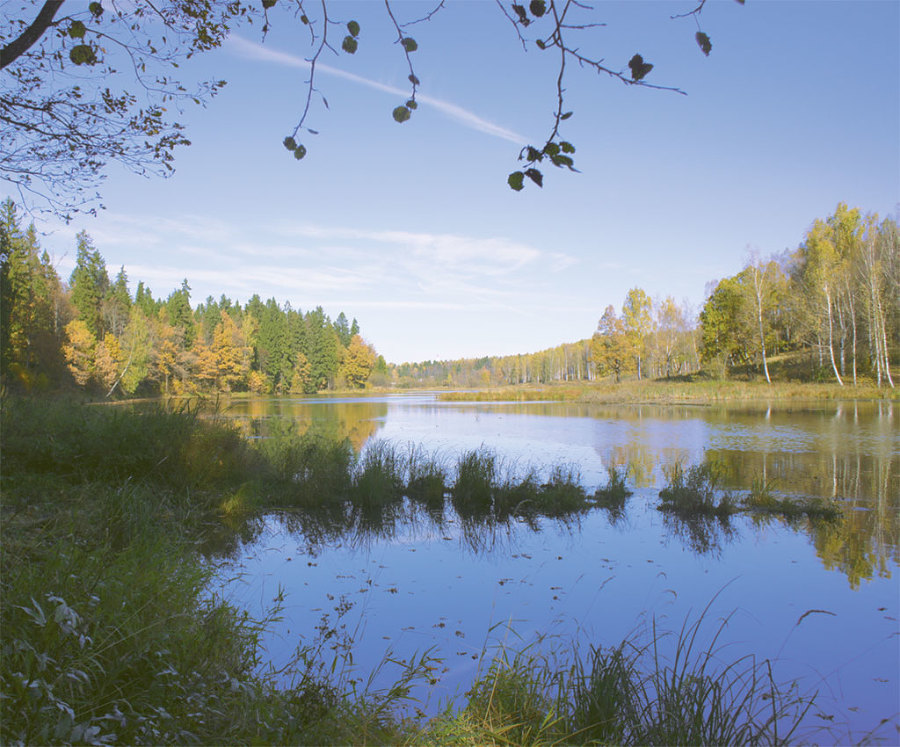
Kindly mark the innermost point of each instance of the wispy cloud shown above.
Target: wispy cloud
(255, 51)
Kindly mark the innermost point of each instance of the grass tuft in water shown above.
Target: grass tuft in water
(695, 492)
(762, 500)
(613, 495)
(426, 483)
(472, 494)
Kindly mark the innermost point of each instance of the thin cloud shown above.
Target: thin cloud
(254, 51)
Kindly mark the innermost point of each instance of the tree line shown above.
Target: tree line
(93, 332)
(828, 310)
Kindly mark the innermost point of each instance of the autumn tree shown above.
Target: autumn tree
(670, 333)
(824, 277)
(357, 362)
(761, 280)
(723, 337)
(609, 347)
(637, 318)
(231, 354)
(137, 345)
(80, 351)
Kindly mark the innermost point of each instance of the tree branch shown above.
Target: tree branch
(29, 36)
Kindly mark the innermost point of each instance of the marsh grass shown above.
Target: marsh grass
(697, 388)
(761, 499)
(695, 492)
(615, 493)
(426, 482)
(652, 688)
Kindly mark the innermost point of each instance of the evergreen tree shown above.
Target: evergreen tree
(31, 305)
(343, 329)
(179, 313)
(117, 304)
(89, 284)
(323, 351)
(143, 299)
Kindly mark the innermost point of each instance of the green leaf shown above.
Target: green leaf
(540, 44)
(520, 11)
(353, 28)
(536, 176)
(703, 42)
(299, 152)
(268, 4)
(537, 7)
(533, 154)
(401, 114)
(290, 143)
(639, 68)
(409, 44)
(304, 19)
(76, 30)
(83, 54)
(563, 161)
(350, 45)
(566, 115)
(411, 104)
(551, 149)
(96, 9)
(414, 80)
(567, 147)
(516, 180)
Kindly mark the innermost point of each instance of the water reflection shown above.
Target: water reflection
(847, 452)
(356, 420)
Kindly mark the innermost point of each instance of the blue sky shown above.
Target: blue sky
(411, 228)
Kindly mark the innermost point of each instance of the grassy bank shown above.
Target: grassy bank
(690, 390)
(110, 633)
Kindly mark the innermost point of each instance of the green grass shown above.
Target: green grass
(112, 632)
(695, 492)
(762, 500)
(613, 495)
(660, 688)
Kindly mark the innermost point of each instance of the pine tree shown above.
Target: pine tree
(89, 283)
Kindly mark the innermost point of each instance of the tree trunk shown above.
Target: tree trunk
(831, 337)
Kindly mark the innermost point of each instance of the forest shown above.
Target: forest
(827, 311)
(91, 332)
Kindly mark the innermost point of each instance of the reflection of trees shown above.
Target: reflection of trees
(356, 421)
(866, 484)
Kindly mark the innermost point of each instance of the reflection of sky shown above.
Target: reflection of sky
(598, 580)
(598, 583)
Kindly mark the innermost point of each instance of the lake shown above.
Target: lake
(820, 599)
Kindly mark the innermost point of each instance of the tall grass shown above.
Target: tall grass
(695, 492)
(659, 688)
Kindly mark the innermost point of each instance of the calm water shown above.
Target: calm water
(425, 582)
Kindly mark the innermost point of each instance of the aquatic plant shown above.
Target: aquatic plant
(762, 500)
(695, 492)
(613, 495)
(472, 493)
(426, 481)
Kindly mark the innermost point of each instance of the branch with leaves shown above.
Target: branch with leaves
(69, 106)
